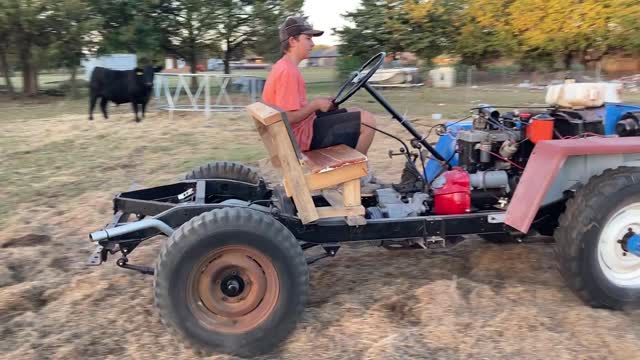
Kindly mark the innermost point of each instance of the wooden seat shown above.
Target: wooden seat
(322, 169)
(331, 158)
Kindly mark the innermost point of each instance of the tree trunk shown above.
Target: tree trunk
(5, 71)
(193, 63)
(567, 60)
(74, 86)
(227, 59)
(29, 76)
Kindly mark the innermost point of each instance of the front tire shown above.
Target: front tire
(589, 257)
(232, 280)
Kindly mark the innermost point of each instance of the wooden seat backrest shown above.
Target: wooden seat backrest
(264, 117)
(285, 155)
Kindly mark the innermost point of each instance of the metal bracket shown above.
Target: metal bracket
(123, 263)
(329, 251)
(97, 257)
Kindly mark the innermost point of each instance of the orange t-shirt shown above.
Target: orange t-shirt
(285, 88)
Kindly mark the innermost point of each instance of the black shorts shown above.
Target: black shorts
(335, 128)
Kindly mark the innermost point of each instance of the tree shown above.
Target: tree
(29, 22)
(128, 26)
(239, 26)
(253, 25)
(427, 28)
(186, 28)
(73, 34)
(547, 30)
(368, 35)
(5, 42)
(269, 15)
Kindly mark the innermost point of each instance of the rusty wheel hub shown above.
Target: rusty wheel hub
(233, 289)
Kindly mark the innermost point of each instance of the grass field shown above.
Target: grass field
(60, 172)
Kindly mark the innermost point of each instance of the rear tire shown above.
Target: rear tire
(587, 253)
(224, 170)
(232, 280)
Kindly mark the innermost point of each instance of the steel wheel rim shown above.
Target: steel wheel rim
(622, 270)
(233, 289)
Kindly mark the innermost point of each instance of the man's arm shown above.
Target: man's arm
(321, 103)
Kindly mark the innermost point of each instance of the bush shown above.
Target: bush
(345, 65)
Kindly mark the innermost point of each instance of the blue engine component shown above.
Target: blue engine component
(633, 245)
(446, 146)
(613, 113)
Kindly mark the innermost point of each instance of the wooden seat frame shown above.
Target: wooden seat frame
(335, 171)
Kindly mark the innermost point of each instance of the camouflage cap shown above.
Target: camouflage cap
(296, 25)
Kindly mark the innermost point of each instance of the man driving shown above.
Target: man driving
(285, 88)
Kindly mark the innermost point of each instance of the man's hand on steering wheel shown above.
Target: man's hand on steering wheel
(324, 104)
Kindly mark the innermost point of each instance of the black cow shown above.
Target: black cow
(121, 86)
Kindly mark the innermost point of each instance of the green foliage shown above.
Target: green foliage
(538, 33)
(269, 14)
(369, 35)
(345, 65)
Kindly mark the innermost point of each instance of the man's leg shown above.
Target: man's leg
(366, 133)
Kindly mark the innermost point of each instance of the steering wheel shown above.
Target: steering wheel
(358, 78)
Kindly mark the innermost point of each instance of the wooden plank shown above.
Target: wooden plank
(268, 144)
(332, 211)
(338, 176)
(351, 193)
(331, 158)
(333, 197)
(264, 113)
(336, 200)
(292, 172)
(287, 188)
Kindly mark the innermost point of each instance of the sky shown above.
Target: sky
(325, 14)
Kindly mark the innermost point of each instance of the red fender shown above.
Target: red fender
(546, 160)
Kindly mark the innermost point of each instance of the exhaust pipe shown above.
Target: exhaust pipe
(129, 228)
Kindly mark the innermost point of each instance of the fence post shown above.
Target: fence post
(170, 100)
(469, 75)
(207, 100)
(157, 87)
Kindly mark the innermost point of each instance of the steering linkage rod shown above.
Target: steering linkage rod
(407, 124)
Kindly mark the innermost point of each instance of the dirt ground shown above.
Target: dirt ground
(58, 174)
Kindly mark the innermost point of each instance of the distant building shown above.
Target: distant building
(323, 57)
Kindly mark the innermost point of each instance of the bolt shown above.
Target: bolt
(234, 273)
